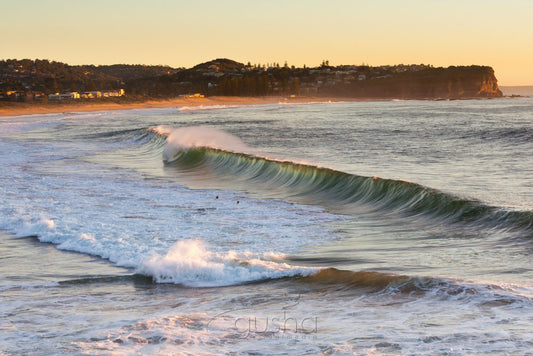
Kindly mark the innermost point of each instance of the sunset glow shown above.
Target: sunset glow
(183, 34)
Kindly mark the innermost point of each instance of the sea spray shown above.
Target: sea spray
(200, 136)
(191, 263)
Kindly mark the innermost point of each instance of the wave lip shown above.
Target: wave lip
(186, 138)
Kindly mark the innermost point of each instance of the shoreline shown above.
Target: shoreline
(20, 109)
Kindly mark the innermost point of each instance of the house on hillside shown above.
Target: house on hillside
(113, 93)
(91, 95)
(64, 96)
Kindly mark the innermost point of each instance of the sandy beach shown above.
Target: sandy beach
(16, 109)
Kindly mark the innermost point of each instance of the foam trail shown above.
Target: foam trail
(191, 263)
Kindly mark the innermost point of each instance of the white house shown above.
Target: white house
(64, 96)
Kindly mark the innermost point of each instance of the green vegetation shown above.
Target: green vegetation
(38, 78)
(35, 79)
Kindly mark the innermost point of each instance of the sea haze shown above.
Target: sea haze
(392, 227)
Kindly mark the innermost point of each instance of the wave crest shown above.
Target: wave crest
(329, 186)
(186, 138)
(191, 263)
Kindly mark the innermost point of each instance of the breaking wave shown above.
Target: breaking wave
(224, 155)
(191, 263)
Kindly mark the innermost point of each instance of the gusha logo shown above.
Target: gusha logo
(267, 326)
(283, 324)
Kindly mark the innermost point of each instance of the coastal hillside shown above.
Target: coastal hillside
(428, 83)
(30, 80)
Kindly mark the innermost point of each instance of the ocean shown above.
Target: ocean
(386, 228)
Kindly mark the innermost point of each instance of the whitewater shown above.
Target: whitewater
(394, 227)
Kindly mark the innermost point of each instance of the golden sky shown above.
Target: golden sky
(498, 33)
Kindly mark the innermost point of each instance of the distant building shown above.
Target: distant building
(16, 95)
(64, 96)
(103, 94)
(92, 95)
(112, 93)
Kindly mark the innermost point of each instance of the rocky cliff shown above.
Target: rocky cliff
(431, 83)
(465, 82)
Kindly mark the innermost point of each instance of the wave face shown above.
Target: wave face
(365, 194)
(155, 227)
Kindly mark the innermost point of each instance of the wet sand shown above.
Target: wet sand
(15, 109)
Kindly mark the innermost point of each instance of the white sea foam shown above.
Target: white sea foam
(182, 139)
(135, 223)
(191, 263)
(286, 321)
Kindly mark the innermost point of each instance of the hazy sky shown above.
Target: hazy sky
(498, 33)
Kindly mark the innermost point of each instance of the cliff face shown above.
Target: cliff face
(489, 86)
(431, 83)
(471, 82)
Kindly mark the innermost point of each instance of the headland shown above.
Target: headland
(40, 86)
